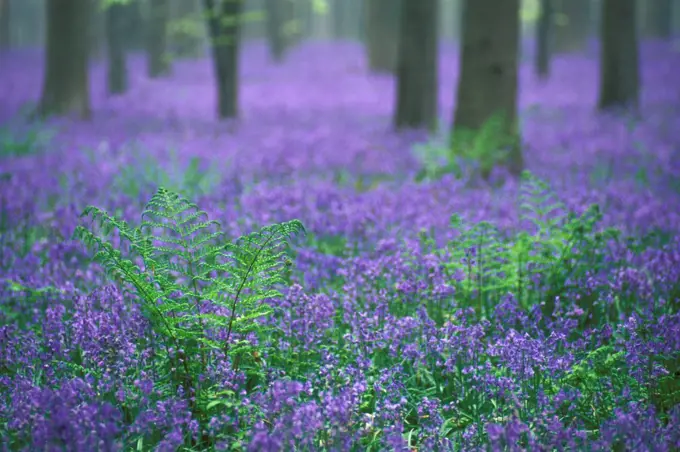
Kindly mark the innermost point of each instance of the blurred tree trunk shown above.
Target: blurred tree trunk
(275, 29)
(136, 26)
(543, 39)
(338, 12)
(619, 71)
(658, 18)
(5, 20)
(116, 45)
(186, 29)
(573, 25)
(254, 23)
(303, 12)
(65, 81)
(487, 87)
(224, 23)
(97, 34)
(382, 31)
(158, 59)
(356, 26)
(417, 76)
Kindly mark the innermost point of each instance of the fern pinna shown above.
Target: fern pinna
(555, 252)
(202, 296)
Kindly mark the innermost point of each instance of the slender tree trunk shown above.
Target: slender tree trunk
(116, 36)
(357, 25)
(417, 76)
(573, 26)
(65, 82)
(619, 62)
(97, 31)
(543, 38)
(487, 87)
(137, 32)
(158, 58)
(5, 20)
(224, 22)
(382, 31)
(186, 34)
(275, 29)
(338, 10)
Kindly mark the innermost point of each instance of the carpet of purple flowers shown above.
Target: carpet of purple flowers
(440, 314)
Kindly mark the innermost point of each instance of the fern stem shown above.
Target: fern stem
(240, 289)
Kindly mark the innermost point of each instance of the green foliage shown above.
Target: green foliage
(600, 377)
(26, 142)
(189, 282)
(536, 265)
(478, 151)
(149, 173)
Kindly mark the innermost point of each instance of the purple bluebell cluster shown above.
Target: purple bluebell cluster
(392, 332)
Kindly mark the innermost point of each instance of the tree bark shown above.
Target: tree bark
(5, 20)
(186, 35)
(543, 39)
(574, 25)
(275, 29)
(158, 59)
(224, 23)
(116, 46)
(619, 61)
(417, 76)
(65, 82)
(487, 86)
(382, 31)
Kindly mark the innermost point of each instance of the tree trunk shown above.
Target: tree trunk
(619, 71)
(136, 27)
(543, 38)
(417, 76)
(65, 82)
(275, 29)
(382, 31)
(338, 11)
(5, 20)
(487, 88)
(658, 19)
(158, 59)
(573, 25)
(224, 21)
(186, 34)
(96, 31)
(116, 36)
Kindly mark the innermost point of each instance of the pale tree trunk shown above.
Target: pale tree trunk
(543, 39)
(573, 25)
(224, 23)
(186, 35)
(5, 19)
(382, 30)
(96, 30)
(65, 83)
(417, 77)
(117, 15)
(338, 11)
(619, 61)
(486, 96)
(158, 58)
(275, 29)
